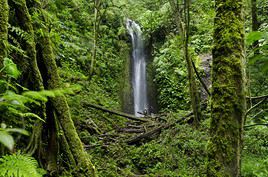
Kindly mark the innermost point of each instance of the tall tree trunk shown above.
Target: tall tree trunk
(255, 22)
(96, 26)
(31, 76)
(254, 16)
(3, 31)
(183, 25)
(52, 81)
(228, 102)
(195, 101)
(177, 15)
(30, 71)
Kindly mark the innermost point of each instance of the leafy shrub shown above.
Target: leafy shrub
(171, 76)
(254, 167)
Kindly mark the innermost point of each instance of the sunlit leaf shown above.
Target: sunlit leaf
(17, 130)
(6, 139)
(11, 68)
(254, 36)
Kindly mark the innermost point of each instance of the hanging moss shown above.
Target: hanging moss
(3, 30)
(228, 94)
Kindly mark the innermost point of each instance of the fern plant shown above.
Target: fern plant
(18, 165)
(15, 106)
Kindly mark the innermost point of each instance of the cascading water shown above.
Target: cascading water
(139, 83)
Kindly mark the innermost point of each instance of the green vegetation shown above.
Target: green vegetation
(19, 165)
(58, 58)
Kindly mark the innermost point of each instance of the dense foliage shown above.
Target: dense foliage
(92, 51)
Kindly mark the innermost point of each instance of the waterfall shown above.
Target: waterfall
(139, 83)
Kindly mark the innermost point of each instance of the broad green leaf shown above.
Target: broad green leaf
(6, 139)
(254, 36)
(11, 68)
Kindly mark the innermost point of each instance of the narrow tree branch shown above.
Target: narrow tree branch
(255, 125)
(258, 97)
(256, 105)
(199, 78)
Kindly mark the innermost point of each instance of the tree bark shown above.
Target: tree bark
(254, 16)
(128, 116)
(192, 82)
(255, 23)
(52, 81)
(183, 25)
(96, 26)
(31, 75)
(3, 31)
(228, 90)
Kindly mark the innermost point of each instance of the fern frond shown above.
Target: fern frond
(18, 165)
(14, 40)
(19, 32)
(17, 50)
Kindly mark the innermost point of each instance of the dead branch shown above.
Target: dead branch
(200, 79)
(256, 105)
(258, 97)
(254, 125)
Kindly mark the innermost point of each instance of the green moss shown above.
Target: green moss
(3, 30)
(28, 65)
(228, 95)
(125, 81)
(60, 105)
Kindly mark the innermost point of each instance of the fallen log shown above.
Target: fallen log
(118, 113)
(146, 135)
(156, 131)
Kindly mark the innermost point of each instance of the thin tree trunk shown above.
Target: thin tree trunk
(183, 25)
(177, 15)
(228, 90)
(4, 11)
(255, 22)
(192, 83)
(94, 53)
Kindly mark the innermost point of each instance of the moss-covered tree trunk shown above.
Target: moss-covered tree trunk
(255, 23)
(31, 75)
(228, 90)
(52, 81)
(3, 30)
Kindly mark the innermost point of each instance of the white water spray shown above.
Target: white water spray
(139, 83)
